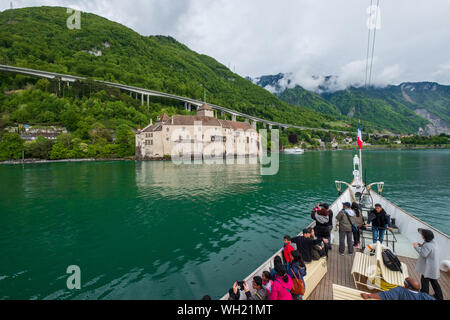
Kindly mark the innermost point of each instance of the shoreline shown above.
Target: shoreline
(367, 148)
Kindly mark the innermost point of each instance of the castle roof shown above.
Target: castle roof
(205, 107)
(180, 120)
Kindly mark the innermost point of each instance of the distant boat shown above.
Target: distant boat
(294, 151)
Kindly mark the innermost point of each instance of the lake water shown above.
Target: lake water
(154, 230)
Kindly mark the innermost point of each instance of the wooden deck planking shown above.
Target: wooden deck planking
(339, 272)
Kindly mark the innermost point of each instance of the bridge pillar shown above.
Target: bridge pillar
(223, 114)
(148, 100)
(254, 124)
(233, 117)
(142, 99)
(270, 126)
(265, 125)
(247, 120)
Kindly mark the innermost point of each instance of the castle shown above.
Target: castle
(201, 136)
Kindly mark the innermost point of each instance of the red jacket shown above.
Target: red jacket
(287, 252)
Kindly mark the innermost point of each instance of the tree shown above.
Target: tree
(39, 148)
(293, 139)
(125, 141)
(11, 146)
(43, 84)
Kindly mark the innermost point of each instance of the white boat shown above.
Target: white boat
(294, 151)
(339, 277)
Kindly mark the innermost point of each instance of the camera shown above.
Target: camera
(241, 285)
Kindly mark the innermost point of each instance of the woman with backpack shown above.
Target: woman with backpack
(428, 264)
(282, 284)
(324, 219)
(297, 272)
(360, 224)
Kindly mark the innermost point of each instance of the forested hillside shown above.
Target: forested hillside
(39, 38)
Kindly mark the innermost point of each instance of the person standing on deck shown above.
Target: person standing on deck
(360, 224)
(324, 219)
(428, 263)
(287, 249)
(380, 223)
(346, 221)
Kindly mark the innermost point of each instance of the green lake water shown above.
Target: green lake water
(154, 230)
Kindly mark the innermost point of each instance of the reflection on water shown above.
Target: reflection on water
(154, 230)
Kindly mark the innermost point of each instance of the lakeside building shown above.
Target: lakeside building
(201, 136)
(29, 133)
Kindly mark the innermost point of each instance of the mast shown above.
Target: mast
(360, 166)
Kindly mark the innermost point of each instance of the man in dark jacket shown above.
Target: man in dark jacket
(380, 222)
(305, 244)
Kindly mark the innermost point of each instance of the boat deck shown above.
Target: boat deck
(339, 272)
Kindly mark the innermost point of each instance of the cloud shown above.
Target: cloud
(302, 37)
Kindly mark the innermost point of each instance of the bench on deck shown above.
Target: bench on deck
(344, 293)
(373, 268)
(315, 271)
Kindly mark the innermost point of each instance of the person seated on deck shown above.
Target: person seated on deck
(324, 221)
(287, 249)
(282, 284)
(276, 260)
(305, 244)
(380, 223)
(297, 270)
(261, 292)
(234, 293)
(267, 281)
(319, 250)
(409, 292)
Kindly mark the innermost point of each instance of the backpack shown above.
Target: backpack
(391, 261)
(298, 287)
(322, 219)
(315, 253)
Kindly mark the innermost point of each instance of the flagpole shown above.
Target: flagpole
(360, 155)
(360, 166)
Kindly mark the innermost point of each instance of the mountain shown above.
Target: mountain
(422, 107)
(38, 38)
(282, 86)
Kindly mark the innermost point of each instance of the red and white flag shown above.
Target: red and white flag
(360, 139)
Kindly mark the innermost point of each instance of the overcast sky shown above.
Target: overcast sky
(302, 37)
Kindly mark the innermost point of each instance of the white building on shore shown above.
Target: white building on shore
(200, 137)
